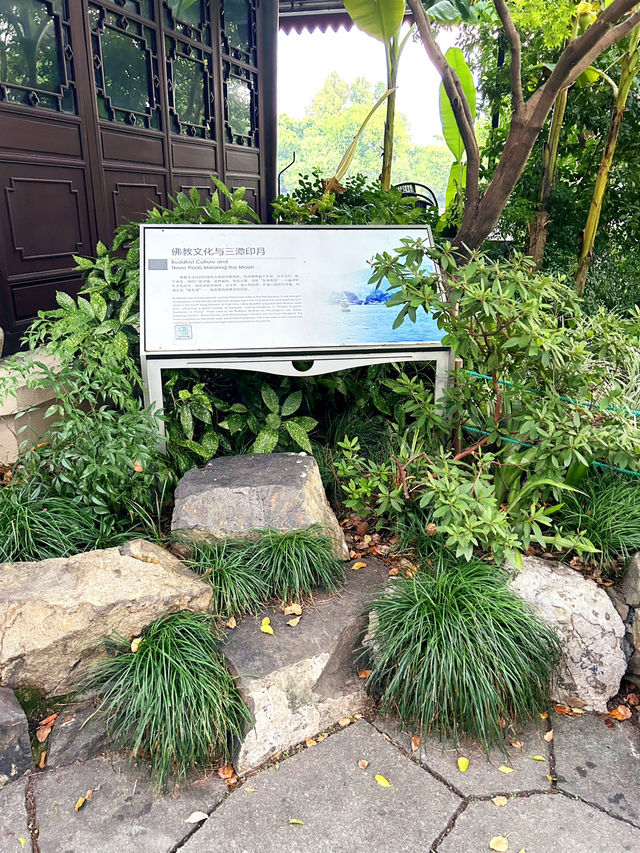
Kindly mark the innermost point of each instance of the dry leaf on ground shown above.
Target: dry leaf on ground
(499, 843)
(196, 817)
(135, 644)
(231, 623)
(310, 741)
(79, 803)
(633, 699)
(345, 721)
(296, 822)
(415, 743)
(265, 626)
(226, 772)
(364, 673)
(384, 783)
(549, 736)
(563, 710)
(292, 610)
(362, 764)
(499, 801)
(48, 721)
(543, 715)
(43, 732)
(249, 790)
(463, 764)
(357, 566)
(43, 758)
(620, 713)
(517, 744)
(293, 622)
(538, 758)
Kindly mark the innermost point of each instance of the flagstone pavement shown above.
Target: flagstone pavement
(366, 788)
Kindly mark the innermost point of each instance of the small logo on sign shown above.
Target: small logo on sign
(182, 333)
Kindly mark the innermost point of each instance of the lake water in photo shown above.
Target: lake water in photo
(372, 324)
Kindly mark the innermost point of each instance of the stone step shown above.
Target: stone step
(301, 680)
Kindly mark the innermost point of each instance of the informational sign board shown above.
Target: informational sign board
(267, 297)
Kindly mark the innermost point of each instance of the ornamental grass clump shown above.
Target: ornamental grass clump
(172, 700)
(297, 562)
(37, 523)
(607, 511)
(457, 653)
(229, 566)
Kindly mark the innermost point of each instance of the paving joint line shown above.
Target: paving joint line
(199, 826)
(553, 770)
(450, 825)
(30, 806)
(421, 764)
(531, 792)
(599, 808)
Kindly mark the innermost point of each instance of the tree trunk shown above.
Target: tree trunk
(588, 236)
(539, 227)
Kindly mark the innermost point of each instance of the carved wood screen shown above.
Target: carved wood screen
(109, 106)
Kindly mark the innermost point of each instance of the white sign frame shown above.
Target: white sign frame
(279, 361)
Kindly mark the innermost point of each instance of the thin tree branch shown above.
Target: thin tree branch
(516, 54)
(457, 97)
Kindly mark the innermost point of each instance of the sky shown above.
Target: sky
(306, 59)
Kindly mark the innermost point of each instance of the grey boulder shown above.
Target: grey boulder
(15, 746)
(588, 626)
(55, 614)
(236, 495)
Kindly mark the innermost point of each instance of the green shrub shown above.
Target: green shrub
(239, 587)
(297, 562)
(607, 511)
(37, 523)
(172, 701)
(455, 651)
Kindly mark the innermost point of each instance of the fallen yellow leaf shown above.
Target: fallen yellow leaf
(249, 790)
(135, 644)
(499, 801)
(499, 843)
(265, 626)
(231, 623)
(22, 841)
(504, 769)
(292, 610)
(549, 736)
(362, 764)
(415, 743)
(384, 783)
(344, 722)
(578, 711)
(81, 801)
(293, 820)
(538, 758)
(357, 566)
(463, 764)
(544, 715)
(293, 622)
(310, 741)
(522, 850)
(552, 778)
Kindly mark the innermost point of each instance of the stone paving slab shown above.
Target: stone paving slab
(599, 764)
(342, 807)
(482, 778)
(124, 814)
(13, 818)
(541, 823)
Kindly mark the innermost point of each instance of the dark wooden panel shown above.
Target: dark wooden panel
(132, 194)
(203, 183)
(242, 160)
(46, 211)
(42, 294)
(131, 148)
(22, 133)
(194, 156)
(253, 188)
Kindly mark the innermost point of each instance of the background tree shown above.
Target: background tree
(483, 209)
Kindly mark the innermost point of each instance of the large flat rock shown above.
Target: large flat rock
(542, 823)
(79, 733)
(124, 814)
(236, 495)
(599, 764)
(14, 823)
(15, 745)
(588, 626)
(342, 808)
(55, 614)
(302, 679)
(482, 778)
